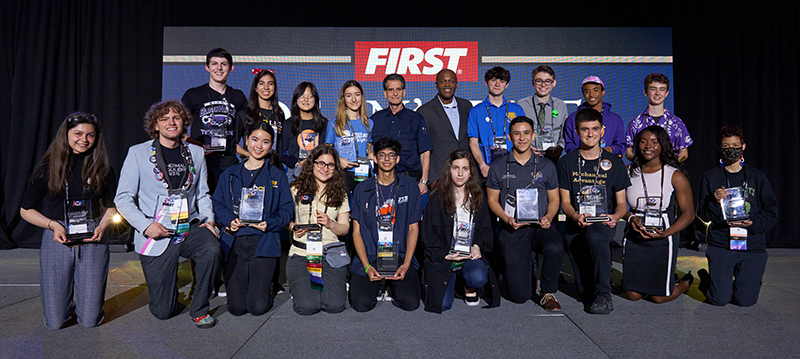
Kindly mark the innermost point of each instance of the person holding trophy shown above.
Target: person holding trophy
(253, 203)
(523, 193)
(456, 231)
(737, 202)
(71, 195)
(317, 263)
(651, 251)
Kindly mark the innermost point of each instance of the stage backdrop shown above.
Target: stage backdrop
(328, 57)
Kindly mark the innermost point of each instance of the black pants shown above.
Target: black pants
(735, 276)
(201, 246)
(405, 293)
(248, 278)
(516, 247)
(590, 253)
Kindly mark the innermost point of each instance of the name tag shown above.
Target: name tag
(738, 238)
(314, 243)
(511, 206)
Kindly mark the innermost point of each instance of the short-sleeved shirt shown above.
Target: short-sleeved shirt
(213, 112)
(484, 117)
(536, 172)
(346, 145)
(407, 204)
(301, 216)
(407, 127)
(676, 129)
(297, 146)
(612, 174)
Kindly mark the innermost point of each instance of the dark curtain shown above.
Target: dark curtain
(733, 64)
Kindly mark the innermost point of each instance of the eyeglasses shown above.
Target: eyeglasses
(547, 82)
(322, 165)
(306, 99)
(390, 156)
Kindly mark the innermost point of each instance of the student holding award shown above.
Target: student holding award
(737, 201)
(456, 231)
(651, 252)
(523, 193)
(253, 202)
(592, 185)
(386, 214)
(350, 135)
(71, 196)
(317, 263)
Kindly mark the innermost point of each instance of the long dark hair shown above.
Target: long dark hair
(667, 156)
(272, 157)
(305, 184)
(446, 188)
(58, 158)
(254, 110)
(319, 123)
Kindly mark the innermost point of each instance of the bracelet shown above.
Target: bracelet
(366, 270)
(48, 225)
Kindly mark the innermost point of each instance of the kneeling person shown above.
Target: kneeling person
(523, 193)
(387, 210)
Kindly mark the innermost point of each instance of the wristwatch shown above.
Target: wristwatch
(425, 182)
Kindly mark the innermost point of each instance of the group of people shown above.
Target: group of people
(501, 175)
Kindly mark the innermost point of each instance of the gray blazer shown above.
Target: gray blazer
(442, 135)
(138, 191)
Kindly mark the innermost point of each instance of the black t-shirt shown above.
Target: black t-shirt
(213, 112)
(275, 120)
(37, 197)
(296, 146)
(176, 165)
(612, 175)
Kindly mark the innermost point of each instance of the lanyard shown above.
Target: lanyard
(491, 122)
(745, 177)
(310, 209)
(355, 138)
(378, 196)
(580, 172)
(644, 184)
(533, 174)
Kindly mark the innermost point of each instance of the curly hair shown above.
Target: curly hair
(306, 184)
(162, 108)
(446, 187)
(667, 156)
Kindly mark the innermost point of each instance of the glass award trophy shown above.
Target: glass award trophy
(251, 207)
(462, 239)
(308, 200)
(527, 205)
(592, 202)
(734, 208)
(217, 140)
(548, 140)
(165, 207)
(651, 215)
(388, 258)
(499, 147)
(79, 225)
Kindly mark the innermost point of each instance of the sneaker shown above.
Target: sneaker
(549, 303)
(472, 300)
(205, 322)
(602, 304)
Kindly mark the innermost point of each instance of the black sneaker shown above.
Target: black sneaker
(472, 301)
(602, 304)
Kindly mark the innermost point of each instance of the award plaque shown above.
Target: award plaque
(734, 208)
(527, 205)
(217, 140)
(163, 215)
(651, 215)
(548, 140)
(592, 202)
(499, 147)
(462, 239)
(251, 207)
(79, 225)
(388, 258)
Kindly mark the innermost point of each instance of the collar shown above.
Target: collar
(452, 104)
(488, 103)
(511, 159)
(667, 114)
(536, 101)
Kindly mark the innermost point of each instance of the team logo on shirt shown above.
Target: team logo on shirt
(275, 184)
(537, 176)
(403, 199)
(77, 203)
(605, 165)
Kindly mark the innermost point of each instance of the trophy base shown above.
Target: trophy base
(597, 219)
(459, 253)
(249, 221)
(310, 227)
(738, 219)
(528, 221)
(78, 237)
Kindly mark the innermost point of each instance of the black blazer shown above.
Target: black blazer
(436, 234)
(441, 132)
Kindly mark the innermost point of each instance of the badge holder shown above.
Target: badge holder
(217, 140)
(548, 140)
(591, 201)
(734, 208)
(510, 208)
(499, 147)
(461, 243)
(527, 205)
(76, 217)
(388, 259)
(251, 208)
(362, 170)
(314, 243)
(738, 238)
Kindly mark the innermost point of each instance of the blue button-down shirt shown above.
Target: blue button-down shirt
(407, 127)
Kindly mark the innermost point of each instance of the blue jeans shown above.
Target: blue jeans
(475, 275)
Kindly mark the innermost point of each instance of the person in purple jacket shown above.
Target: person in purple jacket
(613, 139)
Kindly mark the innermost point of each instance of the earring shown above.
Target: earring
(741, 161)
(721, 163)
(346, 111)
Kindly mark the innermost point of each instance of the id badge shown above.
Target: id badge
(511, 206)
(738, 237)
(499, 147)
(314, 243)
(385, 239)
(547, 138)
(362, 170)
(179, 214)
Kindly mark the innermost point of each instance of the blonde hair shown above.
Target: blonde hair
(341, 111)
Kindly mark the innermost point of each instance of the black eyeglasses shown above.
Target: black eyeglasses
(322, 165)
(547, 82)
(390, 156)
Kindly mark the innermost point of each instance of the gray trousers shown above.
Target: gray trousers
(68, 273)
(306, 300)
(160, 273)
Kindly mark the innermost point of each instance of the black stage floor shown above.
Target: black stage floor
(686, 327)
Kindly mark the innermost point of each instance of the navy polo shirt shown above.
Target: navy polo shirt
(519, 176)
(407, 127)
(364, 209)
